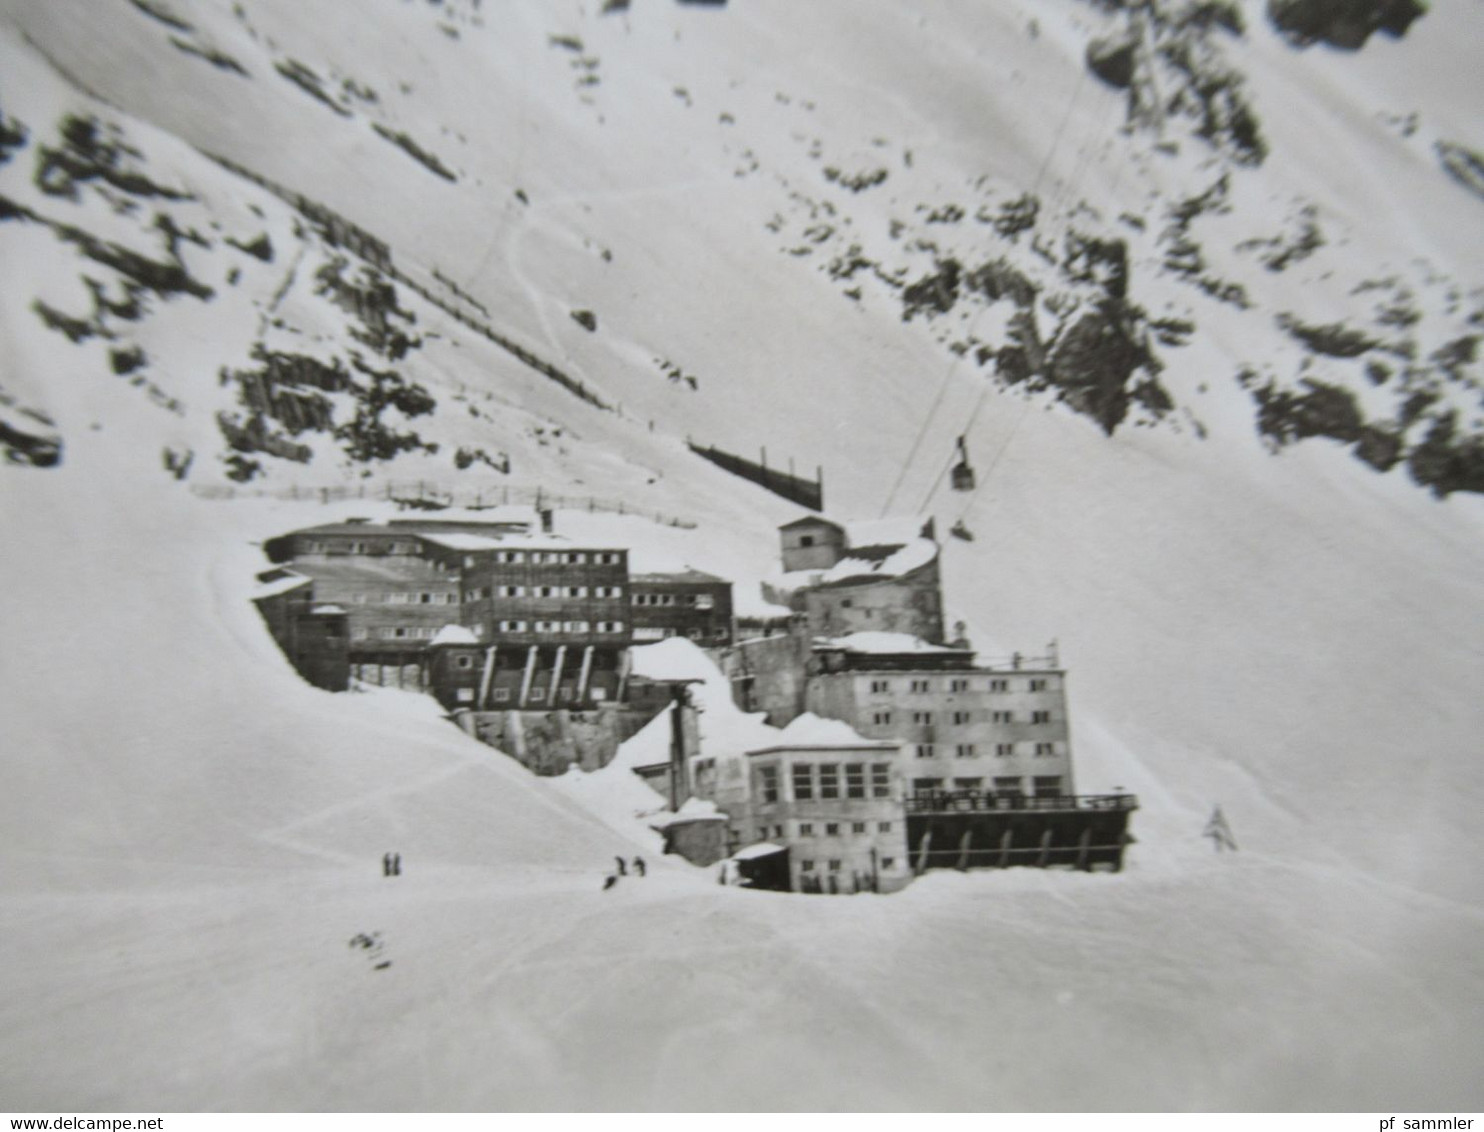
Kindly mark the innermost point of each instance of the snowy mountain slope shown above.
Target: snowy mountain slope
(1292, 637)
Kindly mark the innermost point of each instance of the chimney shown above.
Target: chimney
(546, 524)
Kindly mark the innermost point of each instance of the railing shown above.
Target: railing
(969, 801)
(430, 495)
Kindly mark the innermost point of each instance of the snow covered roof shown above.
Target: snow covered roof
(280, 586)
(811, 732)
(885, 643)
(455, 635)
(676, 658)
(811, 520)
(456, 540)
(688, 574)
(880, 562)
(761, 849)
(327, 610)
(367, 569)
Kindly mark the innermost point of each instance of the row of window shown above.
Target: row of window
(971, 750)
(808, 866)
(963, 684)
(553, 627)
(537, 695)
(959, 718)
(657, 633)
(401, 597)
(475, 592)
(826, 781)
(699, 601)
(552, 557)
(832, 828)
(1004, 785)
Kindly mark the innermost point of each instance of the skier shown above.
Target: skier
(386, 864)
(639, 868)
(623, 869)
(609, 881)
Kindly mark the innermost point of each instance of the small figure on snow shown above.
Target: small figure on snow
(639, 868)
(386, 865)
(1219, 832)
(623, 869)
(609, 881)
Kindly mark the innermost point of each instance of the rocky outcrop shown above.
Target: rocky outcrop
(1345, 24)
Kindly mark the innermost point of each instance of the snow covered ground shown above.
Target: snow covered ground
(192, 837)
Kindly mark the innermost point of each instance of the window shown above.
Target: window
(1040, 717)
(880, 780)
(777, 831)
(694, 634)
(577, 558)
(881, 718)
(548, 591)
(509, 556)
(925, 750)
(926, 785)
(577, 591)
(806, 829)
(719, 633)
(958, 685)
(829, 780)
(465, 695)
(1007, 786)
(921, 686)
(1003, 749)
(832, 829)
(606, 557)
(880, 686)
(999, 685)
(1045, 748)
(538, 694)
(964, 751)
(610, 626)
(608, 591)
(888, 862)
(650, 634)
(705, 601)
(806, 540)
(502, 695)
(968, 783)
(512, 626)
(924, 717)
(847, 603)
(464, 662)
(547, 626)
(1047, 786)
(576, 626)
(803, 778)
(858, 827)
(1038, 685)
(767, 780)
(360, 633)
(834, 868)
(855, 780)
(511, 591)
(399, 599)
(883, 827)
(1001, 717)
(960, 717)
(806, 866)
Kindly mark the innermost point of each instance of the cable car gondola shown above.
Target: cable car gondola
(963, 471)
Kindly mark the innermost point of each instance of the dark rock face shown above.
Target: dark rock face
(1112, 60)
(1342, 23)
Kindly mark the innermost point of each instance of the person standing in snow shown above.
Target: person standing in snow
(386, 864)
(639, 868)
(609, 881)
(623, 869)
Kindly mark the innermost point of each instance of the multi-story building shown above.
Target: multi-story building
(999, 729)
(690, 604)
(880, 576)
(832, 801)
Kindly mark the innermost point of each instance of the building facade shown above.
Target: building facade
(690, 604)
(995, 729)
(836, 808)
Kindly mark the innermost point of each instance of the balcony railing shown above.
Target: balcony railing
(968, 801)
